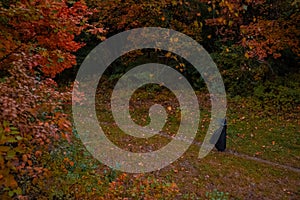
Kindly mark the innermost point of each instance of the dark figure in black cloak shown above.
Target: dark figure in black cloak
(221, 141)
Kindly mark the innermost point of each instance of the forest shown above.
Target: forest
(255, 46)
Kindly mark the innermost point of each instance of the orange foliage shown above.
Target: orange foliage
(36, 36)
(269, 37)
(31, 120)
(42, 33)
(259, 26)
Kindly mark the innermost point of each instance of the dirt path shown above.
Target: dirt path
(274, 164)
(245, 156)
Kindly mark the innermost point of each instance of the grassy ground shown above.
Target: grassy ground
(241, 172)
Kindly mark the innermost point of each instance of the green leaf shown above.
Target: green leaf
(60, 60)
(13, 132)
(19, 137)
(10, 140)
(11, 193)
(10, 154)
(18, 191)
(14, 129)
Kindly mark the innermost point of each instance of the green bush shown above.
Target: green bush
(278, 96)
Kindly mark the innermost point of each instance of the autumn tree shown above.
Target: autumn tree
(42, 34)
(252, 42)
(37, 41)
(263, 28)
(256, 47)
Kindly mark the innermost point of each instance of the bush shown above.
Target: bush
(279, 96)
(31, 122)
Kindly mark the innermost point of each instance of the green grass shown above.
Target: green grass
(275, 138)
(220, 175)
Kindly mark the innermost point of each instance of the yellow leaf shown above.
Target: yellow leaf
(45, 54)
(247, 55)
(168, 54)
(196, 24)
(220, 20)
